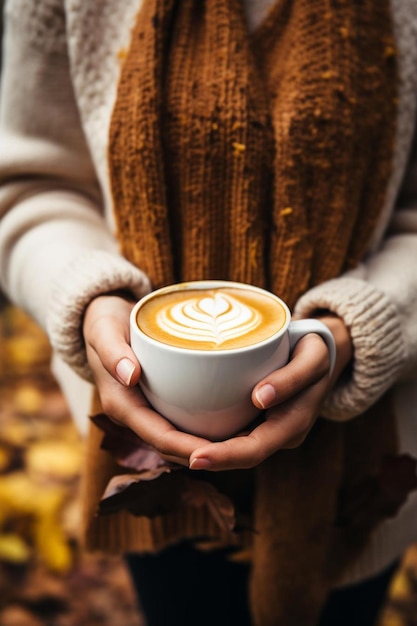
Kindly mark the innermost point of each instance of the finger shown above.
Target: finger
(285, 426)
(114, 352)
(107, 333)
(310, 362)
(128, 407)
(161, 434)
(176, 460)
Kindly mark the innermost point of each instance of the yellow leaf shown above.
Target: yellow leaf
(55, 458)
(20, 495)
(13, 549)
(27, 399)
(21, 498)
(401, 587)
(15, 433)
(24, 351)
(16, 494)
(238, 147)
(51, 544)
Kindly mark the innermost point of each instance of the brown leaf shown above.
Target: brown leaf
(129, 450)
(18, 616)
(379, 496)
(200, 494)
(138, 494)
(135, 491)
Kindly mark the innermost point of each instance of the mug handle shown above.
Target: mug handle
(298, 328)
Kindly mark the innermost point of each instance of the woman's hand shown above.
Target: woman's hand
(292, 397)
(116, 373)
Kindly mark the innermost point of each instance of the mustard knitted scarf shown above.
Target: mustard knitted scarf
(263, 158)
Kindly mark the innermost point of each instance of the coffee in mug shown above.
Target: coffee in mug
(220, 318)
(204, 345)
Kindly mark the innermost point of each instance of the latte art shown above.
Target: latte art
(211, 319)
(217, 318)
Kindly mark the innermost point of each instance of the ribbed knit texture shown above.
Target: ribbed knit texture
(378, 356)
(261, 159)
(89, 277)
(333, 148)
(251, 158)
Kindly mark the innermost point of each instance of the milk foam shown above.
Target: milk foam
(213, 318)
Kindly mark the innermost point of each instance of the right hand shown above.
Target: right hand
(116, 372)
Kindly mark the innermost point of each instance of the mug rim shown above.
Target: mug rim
(206, 284)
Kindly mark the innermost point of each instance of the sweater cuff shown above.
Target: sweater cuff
(379, 345)
(90, 275)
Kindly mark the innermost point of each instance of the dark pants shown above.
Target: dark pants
(184, 587)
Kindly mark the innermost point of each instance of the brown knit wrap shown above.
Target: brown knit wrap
(259, 159)
(263, 159)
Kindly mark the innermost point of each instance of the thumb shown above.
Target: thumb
(127, 371)
(106, 332)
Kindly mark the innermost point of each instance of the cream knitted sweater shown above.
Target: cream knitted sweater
(57, 246)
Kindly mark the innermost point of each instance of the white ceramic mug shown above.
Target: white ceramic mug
(208, 392)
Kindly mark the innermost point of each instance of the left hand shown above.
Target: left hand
(292, 397)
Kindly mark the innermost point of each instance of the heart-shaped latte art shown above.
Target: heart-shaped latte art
(216, 318)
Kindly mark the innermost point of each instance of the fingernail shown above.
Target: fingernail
(265, 395)
(200, 464)
(125, 370)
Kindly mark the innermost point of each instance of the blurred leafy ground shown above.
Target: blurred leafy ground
(45, 579)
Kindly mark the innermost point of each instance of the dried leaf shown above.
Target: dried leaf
(160, 491)
(128, 449)
(18, 616)
(23, 352)
(28, 399)
(20, 498)
(201, 494)
(132, 491)
(401, 587)
(58, 459)
(138, 494)
(13, 548)
(51, 543)
(15, 433)
(379, 496)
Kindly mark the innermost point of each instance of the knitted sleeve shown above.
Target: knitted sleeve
(376, 330)
(378, 303)
(56, 251)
